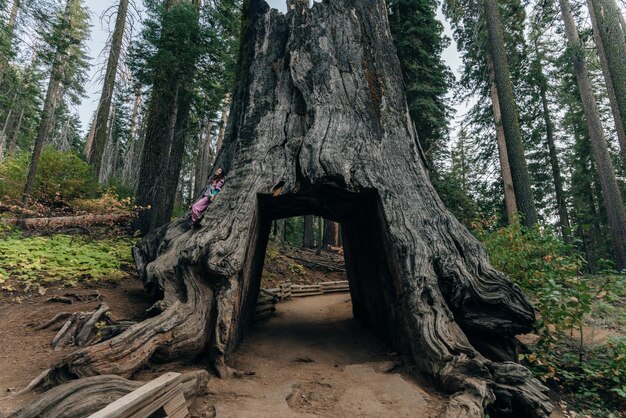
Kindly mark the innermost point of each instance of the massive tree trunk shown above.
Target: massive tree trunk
(505, 169)
(319, 125)
(104, 107)
(611, 46)
(510, 119)
(610, 190)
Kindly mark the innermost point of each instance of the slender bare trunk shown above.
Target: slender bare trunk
(14, 134)
(308, 235)
(104, 106)
(610, 190)
(509, 192)
(331, 233)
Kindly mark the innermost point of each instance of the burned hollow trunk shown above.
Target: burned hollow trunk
(319, 125)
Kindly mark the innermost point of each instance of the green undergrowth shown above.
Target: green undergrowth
(29, 263)
(573, 308)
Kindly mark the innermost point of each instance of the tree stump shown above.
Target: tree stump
(319, 125)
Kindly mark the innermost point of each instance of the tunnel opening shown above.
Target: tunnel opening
(374, 288)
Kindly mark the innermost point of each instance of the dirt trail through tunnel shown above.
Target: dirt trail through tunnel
(313, 359)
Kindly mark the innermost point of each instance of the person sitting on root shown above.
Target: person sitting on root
(215, 186)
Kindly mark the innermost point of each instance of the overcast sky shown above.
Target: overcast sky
(101, 30)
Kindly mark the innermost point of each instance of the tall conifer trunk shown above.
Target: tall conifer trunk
(167, 119)
(505, 169)
(510, 119)
(610, 190)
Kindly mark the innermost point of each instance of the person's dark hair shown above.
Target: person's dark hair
(214, 177)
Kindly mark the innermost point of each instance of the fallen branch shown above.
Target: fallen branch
(70, 298)
(78, 328)
(58, 317)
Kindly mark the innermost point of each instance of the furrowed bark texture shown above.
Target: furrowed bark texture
(319, 125)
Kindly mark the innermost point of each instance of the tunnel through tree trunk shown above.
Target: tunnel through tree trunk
(319, 125)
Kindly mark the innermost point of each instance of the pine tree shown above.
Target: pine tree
(419, 40)
(67, 67)
(172, 68)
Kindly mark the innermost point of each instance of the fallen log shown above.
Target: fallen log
(73, 221)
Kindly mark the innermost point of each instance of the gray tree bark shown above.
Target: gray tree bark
(610, 190)
(319, 125)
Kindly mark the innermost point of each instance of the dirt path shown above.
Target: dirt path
(313, 359)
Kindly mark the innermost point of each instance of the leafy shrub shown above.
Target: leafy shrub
(549, 271)
(109, 202)
(60, 176)
(298, 269)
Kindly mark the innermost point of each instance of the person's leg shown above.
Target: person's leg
(199, 207)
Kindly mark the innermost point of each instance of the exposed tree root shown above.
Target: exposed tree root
(83, 397)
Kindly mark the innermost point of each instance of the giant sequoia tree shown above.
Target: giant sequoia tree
(319, 125)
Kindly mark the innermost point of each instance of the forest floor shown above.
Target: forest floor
(309, 359)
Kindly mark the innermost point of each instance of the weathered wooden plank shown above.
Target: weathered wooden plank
(136, 400)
